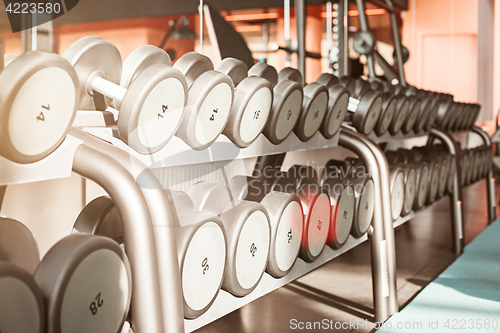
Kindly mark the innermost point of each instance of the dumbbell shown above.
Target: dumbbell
(37, 105)
(389, 108)
(422, 109)
(248, 235)
(316, 208)
(364, 205)
(444, 174)
(366, 105)
(397, 183)
(286, 217)
(458, 114)
(404, 115)
(148, 110)
(338, 100)
(314, 104)
(210, 98)
(343, 201)
(253, 97)
(201, 244)
(83, 282)
(422, 175)
(287, 103)
(446, 112)
(7, 59)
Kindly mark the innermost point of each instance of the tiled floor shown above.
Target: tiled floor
(341, 291)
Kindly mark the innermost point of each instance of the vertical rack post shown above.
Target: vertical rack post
(382, 247)
(397, 42)
(343, 37)
(363, 24)
(286, 31)
(457, 213)
(490, 181)
(300, 23)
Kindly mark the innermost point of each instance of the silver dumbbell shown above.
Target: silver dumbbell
(397, 182)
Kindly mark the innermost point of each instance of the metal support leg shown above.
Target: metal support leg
(382, 238)
(397, 43)
(343, 37)
(300, 23)
(164, 223)
(363, 24)
(138, 229)
(457, 213)
(490, 181)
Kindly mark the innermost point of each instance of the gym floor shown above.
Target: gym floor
(341, 290)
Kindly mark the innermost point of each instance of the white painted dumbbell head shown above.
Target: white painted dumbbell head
(7, 59)
(365, 109)
(209, 104)
(253, 98)
(142, 119)
(364, 207)
(21, 304)
(410, 183)
(287, 103)
(286, 217)
(342, 199)
(37, 105)
(314, 104)
(202, 249)
(338, 100)
(397, 182)
(317, 214)
(86, 283)
(248, 235)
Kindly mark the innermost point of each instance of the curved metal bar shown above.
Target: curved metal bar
(385, 189)
(457, 226)
(380, 247)
(490, 181)
(164, 223)
(139, 238)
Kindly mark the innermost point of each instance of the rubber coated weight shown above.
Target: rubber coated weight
(253, 97)
(405, 119)
(397, 183)
(248, 235)
(202, 251)
(338, 100)
(37, 105)
(422, 169)
(389, 107)
(435, 107)
(210, 99)
(445, 161)
(21, 304)
(86, 283)
(287, 103)
(342, 199)
(364, 207)
(434, 178)
(410, 179)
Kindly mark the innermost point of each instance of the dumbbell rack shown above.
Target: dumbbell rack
(449, 140)
(177, 153)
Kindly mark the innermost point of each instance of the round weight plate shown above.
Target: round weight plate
(386, 115)
(21, 304)
(365, 206)
(93, 56)
(18, 246)
(234, 68)
(451, 175)
(405, 106)
(397, 193)
(343, 217)
(360, 88)
(264, 71)
(100, 217)
(287, 105)
(337, 109)
(37, 105)
(328, 80)
(443, 176)
(462, 122)
(433, 182)
(86, 283)
(7, 59)
(209, 197)
(193, 65)
(140, 59)
(455, 117)
(285, 213)
(431, 121)
(207, 111)
(364, 42)
(313, 111)
(410, 191)
(253, 99)
(152, 109)
(202, 268)
(401, 117)
(411, 117)
(366, 116)
(248, 230)
(422, 185)
(289, 73)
